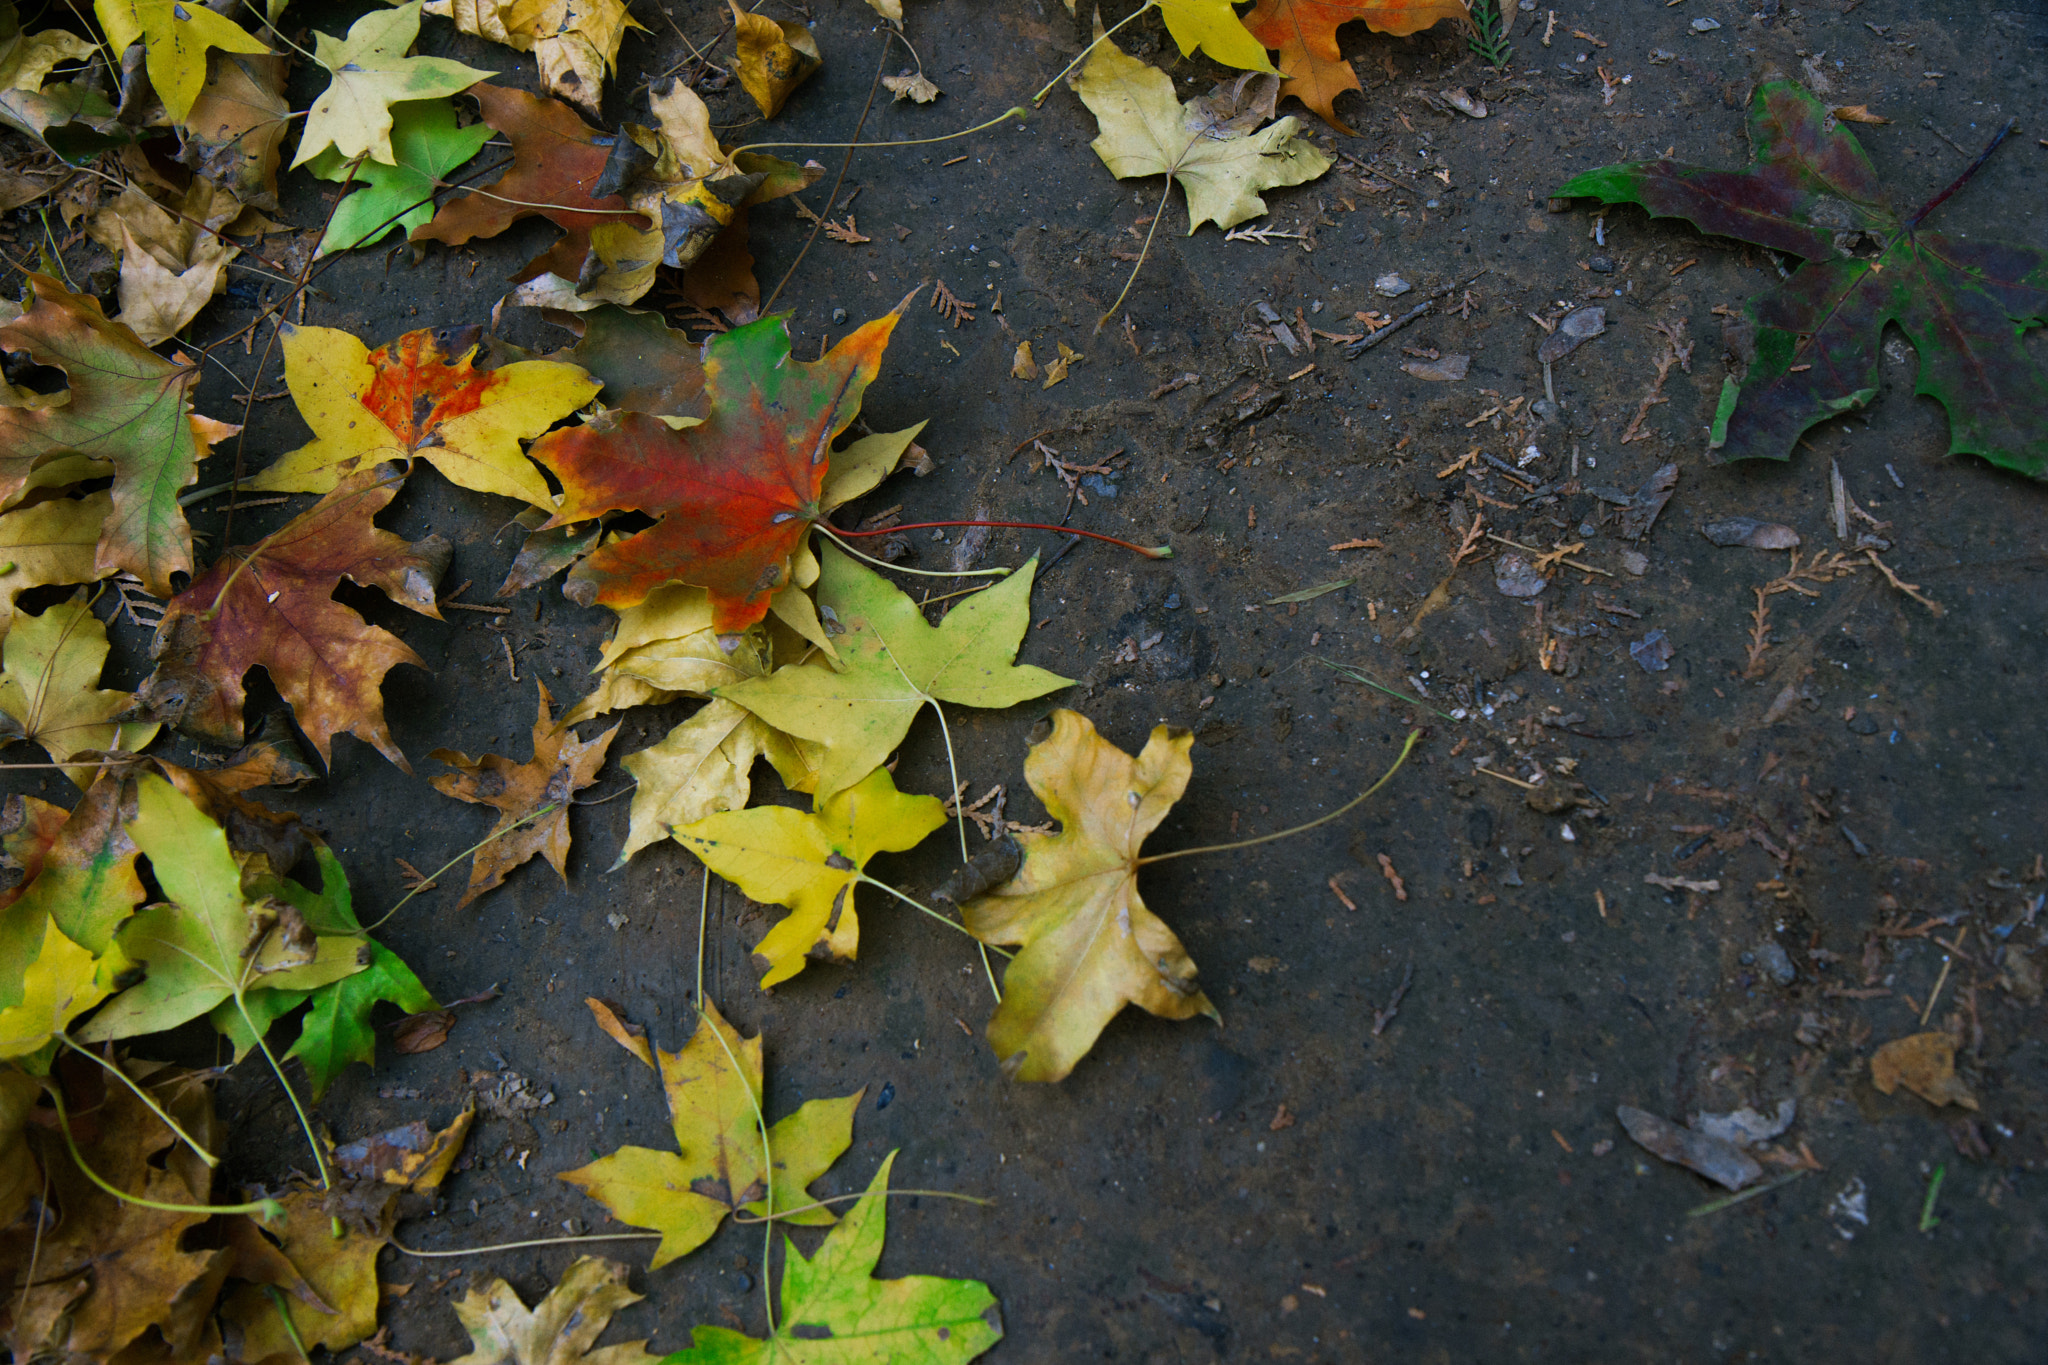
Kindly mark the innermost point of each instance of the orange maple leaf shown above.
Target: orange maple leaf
(1304, 33)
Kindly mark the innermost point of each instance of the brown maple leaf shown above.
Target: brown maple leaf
(562, 765)
(273, 604)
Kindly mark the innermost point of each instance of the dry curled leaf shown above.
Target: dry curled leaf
(1925, 1063)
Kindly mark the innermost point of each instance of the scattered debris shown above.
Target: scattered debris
(1749, 533)
(1653, 652)
(1715, 1158)
(1647, 503)
(1391, 286)
(1571, 331)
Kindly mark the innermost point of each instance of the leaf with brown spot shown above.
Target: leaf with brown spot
(775, 56)
(562, 1329)
(272, 604)
(562, 765)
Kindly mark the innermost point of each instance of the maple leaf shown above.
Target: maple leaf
(774, 57)
(52, 542)
(575, 42)
(644, 364)
(561, 1329)
(834, 1312)
(371, 73)
(1304, 33)
(207, 943)
(1213, 26)
(734, 496)
(561, 766)
(174, 38)
(334, 1258)
(1146, 131)
(715, 1106)
(126, 405)
(50, 687)
(556, 161)
(811, 862)
(59, 980)
(893, 664)
(236, 127)
(1809, 191)
(1089, 945)
(87, 884)
(419, 396)
(425, 146)
(273, 604)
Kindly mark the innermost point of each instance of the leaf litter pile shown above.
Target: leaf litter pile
(687, 481)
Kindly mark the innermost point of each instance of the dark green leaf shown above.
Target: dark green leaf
(428, 146)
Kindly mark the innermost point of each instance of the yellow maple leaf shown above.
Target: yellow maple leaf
(1213, 26)
(174, 38)
(371, 73)
(50, 687)
(575, 42)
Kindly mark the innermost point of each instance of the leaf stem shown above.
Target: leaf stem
(141, 1094)
(1385, 777)
(1154, 552)
(1100, 39)
(405, 1250)
(919, 905)
(843, 1198)
(269, 1210)
(1018, 111)
(284, 1316)
(833, 533)
(277, 1069)
(1969, 172)
(435, 875)
(1143, 252)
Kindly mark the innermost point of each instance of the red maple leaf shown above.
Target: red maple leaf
(736, 495)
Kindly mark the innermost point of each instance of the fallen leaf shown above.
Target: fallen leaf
(87, 883)
(775, 56)
(631, 1037)
(1810, 192)
(158, 301)
(644, 364)
(336, 1258)
(1089, 944)
(721, 279)
(811, 862)
(1440, 371)
(1145, 131)
(414, 1155)
(369, 73)
(911, 86)
(1214, 27)
(236, 127)
(1056, 370)
(700, 767)
(556, 161)
(893, 664)
(59, 980)
(575, 42)
(273, 604)
(125, 405)
(175, 38)
(426, 147)
(562, 1329)
(735, 496)
(834, 1312)
(892, 10)
(715, 1105)
(1750, 533)
(1022, 366)
(1715, 1158)
(419, 396)
(561, 766)
(1304, 33)
(1857, 113)
(423, 1032)
(50, 688)
(1925, 1063)
(51, 542)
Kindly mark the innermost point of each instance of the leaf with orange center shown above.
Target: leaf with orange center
(420, 396)
(556, 160)
(562, 765)
(735, 495)
(1304, 33)
(272, 604)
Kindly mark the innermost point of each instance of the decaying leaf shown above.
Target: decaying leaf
(811, 863)
(575, 42)
(644, 364)
(175, 38)
(1925, 1063)
(913, 86)
(1810, 192)
(237, 125)
(715, 1106)
(562, 1329)
(1147, 131)
(273, 604)
(893, 664)
(1089, 945)
(50, 542)
(1304, 33)
(50, 688)
(835, 1313)
(369, 73)
(420, 396)
(775, 57)
(1716, 1158)
(561, 766)
(736, 494)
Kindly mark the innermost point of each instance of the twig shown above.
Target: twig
(1382, 1018)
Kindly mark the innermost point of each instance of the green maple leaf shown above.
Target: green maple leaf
(893, 664)
(834, 1312)
(811, 862)
(714, 1103)
(426, 146)
(1809, 191)
(371, 73)
(175, 35)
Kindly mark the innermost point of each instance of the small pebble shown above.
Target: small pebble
(838, 317)
(1778, 963)
(1601, 265)
(1391, 286)
(1705, 25)
(1588, 529)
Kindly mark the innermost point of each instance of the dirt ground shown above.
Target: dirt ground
(1300, 1184)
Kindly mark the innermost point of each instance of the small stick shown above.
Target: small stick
(1337, 886)
(513, 667)
(465, 606)
(1382, 1018)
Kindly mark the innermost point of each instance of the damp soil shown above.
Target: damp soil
(1298, 1183)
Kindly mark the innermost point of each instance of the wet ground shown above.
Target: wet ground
(1300, 1184)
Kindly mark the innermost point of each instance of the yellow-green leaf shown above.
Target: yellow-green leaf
(60, 983)
(50, 687)
(175, 35)
(371, 73)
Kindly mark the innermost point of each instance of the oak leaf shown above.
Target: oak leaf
(811, 862)
(1809, 191)
(775, 56)
(1088, 943)
(893, 664)
(561, 766)
(174, 38)
(420, 396)
(369, 73)
(735, 496)
(425, 147)
(50, 542)
(575, 42)
(834, 1312)
(1147, 131)
(556, 161)
(127, 406)
(1304, 33)
(715, 1106)
(272, 604)
(562, 1329)
(50, 688)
